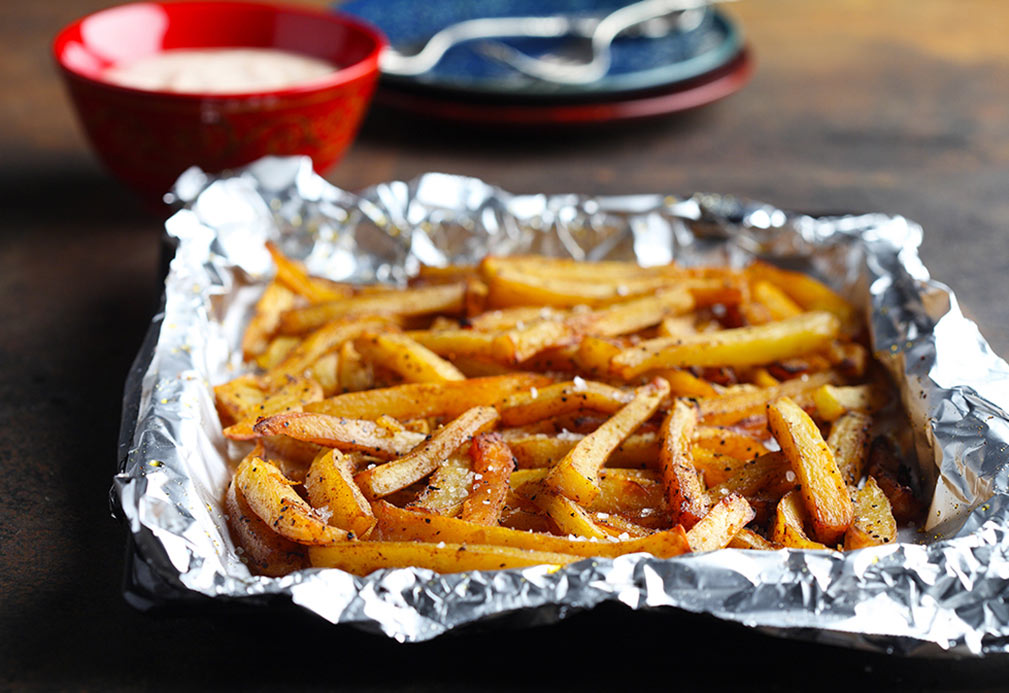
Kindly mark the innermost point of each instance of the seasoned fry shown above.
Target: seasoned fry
(413, 361)
(417, 400)
(641, 411)
(685, 495)
(331, 488)
(576, 475)
(272, 499)
(345, 434)
(743, 346)
(393, 476)
(493, 464)
(822, 487)
(720, 525)
(363, 557)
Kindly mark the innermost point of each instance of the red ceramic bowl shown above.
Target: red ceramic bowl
(148, 138)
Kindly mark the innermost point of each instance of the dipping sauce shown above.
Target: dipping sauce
(219, 70)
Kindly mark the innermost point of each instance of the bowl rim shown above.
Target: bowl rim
(344, 75)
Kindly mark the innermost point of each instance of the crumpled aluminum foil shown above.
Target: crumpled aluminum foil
(945, 592)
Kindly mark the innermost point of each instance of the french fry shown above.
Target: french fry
(777, 302)
(264, 551)
(294, 276)
(271, 498)
(353, 373)
(594, 354)
(874, 524)
(767, 471)
(292, 396)
(236, 398)
(347, 435)
(275, 300)
(789, 524)
(576, 475)
(393, 476)
(447, 298)
(849, 442)
(499, 320)
(447, 488)
(403, 525)
(732, 408)
(833, 402)
(743, 346)
(323, 340)
(419, 400)
(634, 315)
(632, 493)
(720, 525)
(807, 292)
(414, 362)
(509, 347)
(686, 498)
(542, 450)
(277, 350)
(748, 539)
(823, 489)
(729, 441)
(326, 372)
(569, 517)
(449, 274)
(493, 464)
(537, 404)
(331, 488)
(364, 557)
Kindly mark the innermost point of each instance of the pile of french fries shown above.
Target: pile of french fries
(533, 411)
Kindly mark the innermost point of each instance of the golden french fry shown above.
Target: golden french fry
(720, 525)
(421, 400)
(292, 396)
(569, 517)
(293, 275)
(397, 524)
(767, 471)
(594, 354)
(275, 300)
(631, 493)
(414, 362)
(874, 523)
(543, 450)
(270, 496)
(315, 345)
(776, 301)
(743, 346)
(849, 442)
(728, 441)
(339, 432)
(393, 476)
(509, 347)
(748, 539)
(686, 498)
(576, 475)
(823, 489)
(236, 398)
(277, 350)
(537, 404)
(364, 557)
(807, 292)
(447, 298)
(331, 489)
(448, 487)
(733, 408)
(493, 464)
(789, 524)
(499, 320)
(634, 315)
(264, 551)
(449, 274)
(833, 402)
(353, 373)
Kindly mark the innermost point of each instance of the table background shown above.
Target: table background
(855, 105)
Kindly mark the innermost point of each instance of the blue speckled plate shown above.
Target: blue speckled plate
(639, 62)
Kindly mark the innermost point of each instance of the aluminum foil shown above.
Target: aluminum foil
(941, 592)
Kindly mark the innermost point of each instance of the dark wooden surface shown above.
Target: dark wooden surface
(900, 106)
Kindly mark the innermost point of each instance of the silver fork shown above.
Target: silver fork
(563, 70)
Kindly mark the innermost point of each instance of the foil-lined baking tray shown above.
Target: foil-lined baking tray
(942, 591)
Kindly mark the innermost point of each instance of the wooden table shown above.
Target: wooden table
(900, 107)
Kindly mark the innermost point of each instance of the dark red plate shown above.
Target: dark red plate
(647, 104)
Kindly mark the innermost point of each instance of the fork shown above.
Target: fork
(563, 71)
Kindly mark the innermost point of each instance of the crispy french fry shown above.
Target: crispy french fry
(509, 347)
(849, 442)
(323, 340)
(270, 496)
(264, 551)
(833, 402)
(543, 450)
(743, 346)
(767, 471)
(631, 493)
(414, 362)
(789, 524)
(576, 475)
(537, 404)
(449, 274)
(823, 489)
(732, 408)
(730, 442)
(633, 315)
(275, 300)
(686, 498)
(364, 557)
(499, 320)
(340, 432)
(417, 400)
(718, 527)
(292, 396)
(776, 301)
(447, 488)
(393, 476)
(594, 354)
(277, 350)
(331, 489)
(493, 464)
(403, 525)
(874, 523)
(569, 517)
(748, 539)
(447, 298)
(294, 276)
(353, 373)
(236, 398)
(807, 292)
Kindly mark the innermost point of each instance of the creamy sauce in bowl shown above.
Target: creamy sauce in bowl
(219, 70)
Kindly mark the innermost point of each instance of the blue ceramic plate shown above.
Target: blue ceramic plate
(639, 62)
